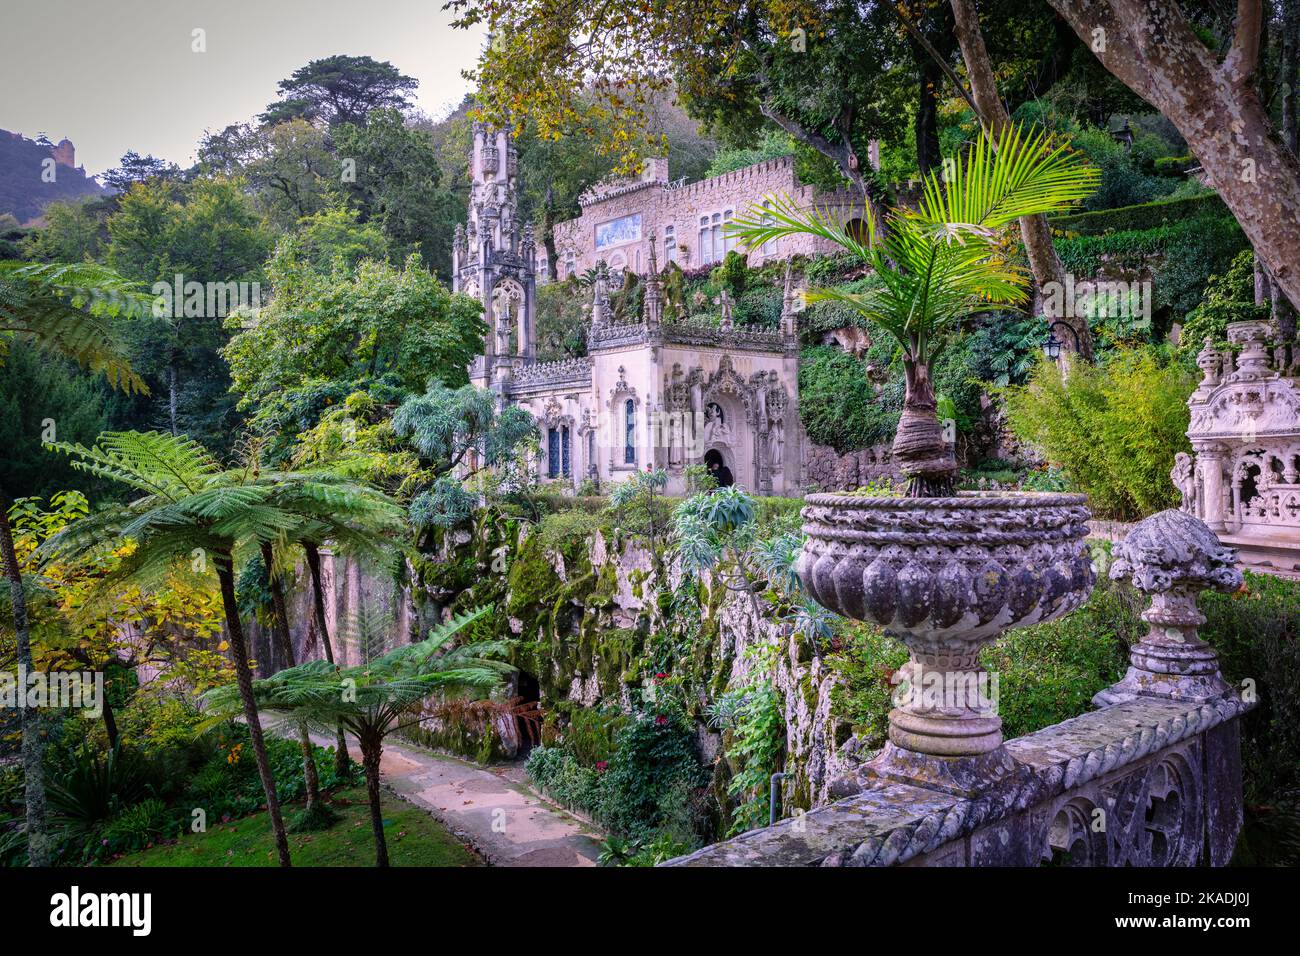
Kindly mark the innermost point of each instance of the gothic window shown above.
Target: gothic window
(715, 248)
(728, 239)
(570, 265)
(629, 432)
(670, 244)
(558, 455)
(706, 242)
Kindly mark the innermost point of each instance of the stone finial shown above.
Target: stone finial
(1172, 556)
(652, 308)
(1173, 549)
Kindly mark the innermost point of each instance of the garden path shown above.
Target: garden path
(490, 808)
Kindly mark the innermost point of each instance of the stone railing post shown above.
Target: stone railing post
(1172, 556)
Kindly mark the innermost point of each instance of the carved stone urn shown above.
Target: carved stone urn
(946, 576)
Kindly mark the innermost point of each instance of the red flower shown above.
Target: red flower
(601, 765)
(661, 676)
(661, 721)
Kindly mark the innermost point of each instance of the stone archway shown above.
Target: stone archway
(719, 460)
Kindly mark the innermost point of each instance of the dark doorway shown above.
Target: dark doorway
(528, 715)
(718, 468)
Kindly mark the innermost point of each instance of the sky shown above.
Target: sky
(114, 75)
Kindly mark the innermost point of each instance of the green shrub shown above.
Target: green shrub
(1229, 297)
(647, 782)
(645, 787)
(1113, 428)
(1122, 182)
(760, 306)
(838, 405)
(1173, 165)
(1257, 634)
(732, 273)
(138, 826)
(1049, 672)
(568, 532)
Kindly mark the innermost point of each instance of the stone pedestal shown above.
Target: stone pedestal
(1172, 556)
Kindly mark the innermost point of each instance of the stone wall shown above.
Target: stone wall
(828, 470)
(619, 217)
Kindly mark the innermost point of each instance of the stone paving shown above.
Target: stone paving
(490, 808)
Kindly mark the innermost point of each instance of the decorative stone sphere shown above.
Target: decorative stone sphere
(946, 576)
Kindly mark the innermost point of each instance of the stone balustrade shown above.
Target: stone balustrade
(1151, 778)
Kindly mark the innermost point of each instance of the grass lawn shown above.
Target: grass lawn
(414, 839)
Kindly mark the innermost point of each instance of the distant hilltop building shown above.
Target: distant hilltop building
(65, 154)
(688, 221)
(652, 392)
(29, 181)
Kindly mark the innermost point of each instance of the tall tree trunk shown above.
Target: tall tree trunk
(31, 723)
(110, 723)
(1034, 230)
(926, 125)
(1290, 73)
(1151, 48)
(342, 762)
(372, 749)
(244, 677)
(926, 460)
(310, 777)
(171, 394)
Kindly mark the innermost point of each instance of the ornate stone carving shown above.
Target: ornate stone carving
(1160, 769)
(1245, 430)
(946, 576)
(1172, 556)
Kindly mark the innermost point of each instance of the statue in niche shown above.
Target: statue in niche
(776, 405)
(1184, 479)
(715, 425)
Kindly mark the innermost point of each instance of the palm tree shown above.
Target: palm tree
(938, 264)
(376, 698)
(192, 509)
(66, 310)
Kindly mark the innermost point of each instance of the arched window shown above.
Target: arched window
(706, 242)
(670, 244)
(629, 432)
(570, 265)
(558, 459)
(729, 241)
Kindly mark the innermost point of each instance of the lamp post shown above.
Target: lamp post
(1052, 347)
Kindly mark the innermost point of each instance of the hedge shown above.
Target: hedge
(1143, 216)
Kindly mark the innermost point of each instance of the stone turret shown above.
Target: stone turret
(790, 305)
(493, 257)
(652, 308)
(65, 154)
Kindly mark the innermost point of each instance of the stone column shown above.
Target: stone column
(1172, 556)
(1212, 491)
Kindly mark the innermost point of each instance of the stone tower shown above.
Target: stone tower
(493, 258)
(65, 154)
